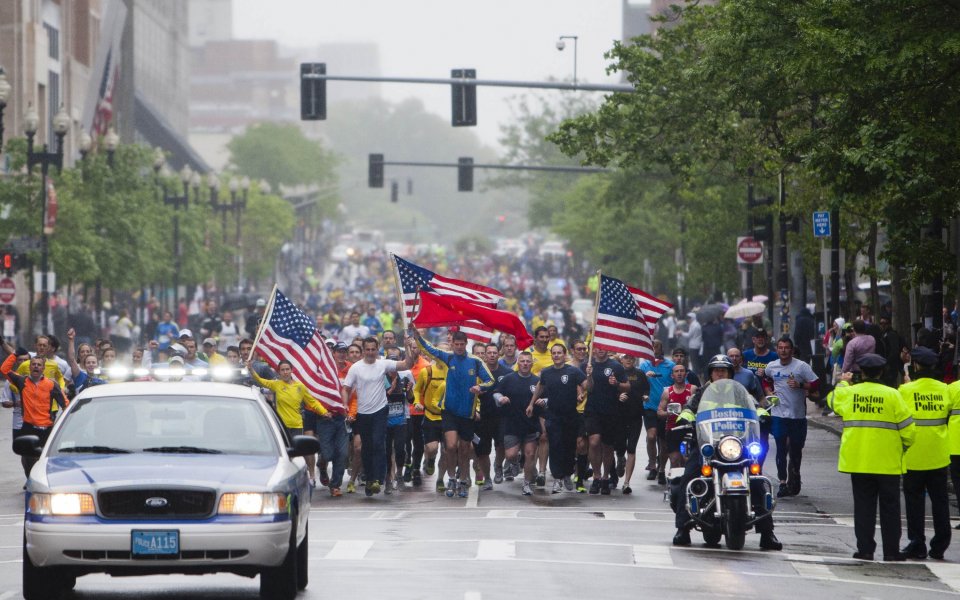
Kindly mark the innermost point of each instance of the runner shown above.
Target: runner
(606, 381)
(488, 430)
(559, 389)
(513, 395)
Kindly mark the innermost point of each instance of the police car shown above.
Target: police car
(146, 478)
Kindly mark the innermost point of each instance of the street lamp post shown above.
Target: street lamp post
(213, 182)
(186, 175)
(561, 45)
(4, 95)
(61, 122)
(239, 204)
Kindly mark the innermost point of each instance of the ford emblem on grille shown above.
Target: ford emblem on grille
(156, 502)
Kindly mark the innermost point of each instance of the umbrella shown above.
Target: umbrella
(709, 312)
(759, 298)
(745, 309)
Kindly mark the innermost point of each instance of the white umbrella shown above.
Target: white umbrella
(759, 298)
(744, 309)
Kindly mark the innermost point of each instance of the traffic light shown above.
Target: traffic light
(394, 191)
(464, 98)
(8, 261)
(762, 229)
(313, 92)
(465, 174)
(375, 172)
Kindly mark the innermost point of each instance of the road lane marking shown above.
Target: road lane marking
(387, 515)
(947, 573)
(349, 550)
(472, 595)
(813, 570)
(503, 514)
(473, 496)
(496, 550)
(619, 515)
(652, 556)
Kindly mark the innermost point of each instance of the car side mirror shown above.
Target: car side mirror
(674, 408)
(302, 445)
(773, 401)
(27, 445)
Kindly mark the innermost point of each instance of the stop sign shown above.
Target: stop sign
(8, 290)
(749, 251)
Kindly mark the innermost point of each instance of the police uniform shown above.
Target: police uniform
(877, 425)
(928, 459)
(953, 432)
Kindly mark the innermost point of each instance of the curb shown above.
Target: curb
(832, 424)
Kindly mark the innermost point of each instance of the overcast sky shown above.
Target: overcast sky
(502, 39)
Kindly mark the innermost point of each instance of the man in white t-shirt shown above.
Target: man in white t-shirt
(354, 330)
(792, 379)
(367, 377)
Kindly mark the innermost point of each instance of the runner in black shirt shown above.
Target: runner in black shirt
(609, 380)
(631, 418)
(488, 430)
(512, 395)
(561, 385)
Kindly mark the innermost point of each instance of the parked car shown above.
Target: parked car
(149, 477)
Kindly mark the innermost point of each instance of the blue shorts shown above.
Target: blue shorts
(310, 420)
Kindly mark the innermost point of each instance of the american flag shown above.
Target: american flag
(290, 334)
(413, 277)
(626, 318)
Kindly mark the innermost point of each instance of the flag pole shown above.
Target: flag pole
(396, 286)
(263, 322)
(596, 310)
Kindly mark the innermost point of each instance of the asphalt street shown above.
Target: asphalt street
(416, 543)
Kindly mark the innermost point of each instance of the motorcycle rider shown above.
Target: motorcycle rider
(719, 367)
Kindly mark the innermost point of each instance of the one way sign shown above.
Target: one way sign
(821, 224)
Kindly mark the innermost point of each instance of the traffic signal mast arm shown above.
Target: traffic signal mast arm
(550, 85)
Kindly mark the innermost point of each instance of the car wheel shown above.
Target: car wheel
(280, 583)
(39, 583)
(302, 559)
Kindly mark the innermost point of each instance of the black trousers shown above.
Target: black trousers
(415, 440)
(934, 483)
(562, 439)
(955, 473)
(43, 433)
(868, 489)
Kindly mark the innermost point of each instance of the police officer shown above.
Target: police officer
(719, 367)
(877, 426)
(928, 458)
(953, 430)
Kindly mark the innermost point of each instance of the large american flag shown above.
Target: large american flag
(626, 318)
(290, 334)
(414, 278)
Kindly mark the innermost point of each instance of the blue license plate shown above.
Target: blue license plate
(154, 543)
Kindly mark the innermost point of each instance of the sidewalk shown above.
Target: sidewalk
(833, 424)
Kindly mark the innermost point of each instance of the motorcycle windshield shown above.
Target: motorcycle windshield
(726, 409)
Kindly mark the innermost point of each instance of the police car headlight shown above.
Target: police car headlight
(252, 503)
(62, 504)
(730, 449)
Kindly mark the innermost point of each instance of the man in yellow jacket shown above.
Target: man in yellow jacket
(928, 458)
(877, 426)
(953, 430)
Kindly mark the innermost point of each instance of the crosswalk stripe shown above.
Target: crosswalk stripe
(503, 514)
(619, 515)
(652, 556)
(496, 549)
(349, 550)
(813, 570)
(947, 573)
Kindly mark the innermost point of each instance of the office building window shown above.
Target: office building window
(53, 41)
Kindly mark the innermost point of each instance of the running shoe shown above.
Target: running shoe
(407, 473)
(417, 478)
(451, 489)
(335, 492)
(568, 483)
(557, 486)
(605, 488)
(368, 490)
(541, 479)
(464, 489)
(595, 487)
(627, 490)
(313, 483)
(351, 488)
(581, 489)
(621, 465)
(498, 476)
(525, 490)
(487, 486)
(662, 478)
(374, 487)
(324, 479)
(430, 468)
(388, 487)
(440, 487)
(481, 481)
(651, 474)
(511, 472)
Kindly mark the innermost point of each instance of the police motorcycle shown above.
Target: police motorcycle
(721, 501)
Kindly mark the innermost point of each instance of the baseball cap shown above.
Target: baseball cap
(330, 342)
(761, 333)
(924, 356)
(871, 361)
(176, 360)
(185, 333)
(847, 327)
(261, 303)
(341, 346)
(209, 342)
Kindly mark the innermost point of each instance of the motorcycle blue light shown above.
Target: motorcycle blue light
(755, 449)
(693, 506)
(706, 450)
(683, 447)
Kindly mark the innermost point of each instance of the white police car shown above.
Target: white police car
(146, 478)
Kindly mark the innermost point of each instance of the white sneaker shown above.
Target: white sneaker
(526, 491)
(557, 486)
(568, 483)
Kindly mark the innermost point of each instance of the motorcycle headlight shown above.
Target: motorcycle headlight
(730, 449)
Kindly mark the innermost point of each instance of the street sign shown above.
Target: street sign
(24, 244)
(8, 291)
(749, 251)
(821, 224)
(38, 281)
(825, 262)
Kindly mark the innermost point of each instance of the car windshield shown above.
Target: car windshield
(165, 424)
(726, 408)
